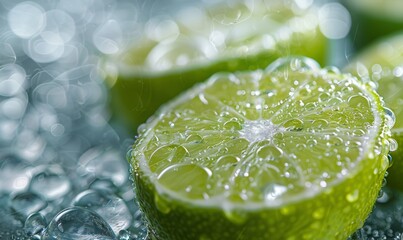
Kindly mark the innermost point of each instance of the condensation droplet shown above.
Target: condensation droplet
(273, 191)
(358, 101)
(50, 184)
(12, 80)
(27, 203)
(390, 117)
(296, 64)
(108, 37)
(294, 125)
(334, 20)
(80, 224)
(227, 160)
(232, 125)
(109, 206)
(269, 152)
(353, 196)
(7, 54)
(26, 19)
(34, 224)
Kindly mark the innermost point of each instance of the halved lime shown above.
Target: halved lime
(176, 52)
(374, 19)
(290, 152)
(382, 63)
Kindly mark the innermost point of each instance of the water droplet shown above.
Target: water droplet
(161, 28)
(227, 160)
(390, 160)
(12, 80)
(194, 138)
(104, 163)
(14, 175)
(34, 224)
(392, 145)
(124, 235)
(27, 203)
(294, 125)
(189, 180)
(231, 13)
(166, 155)
(78, 223)
(269, 152)
(236, 216)
(334, 20)
(108, 37)
(319, 124)
(7, 54)
(180, 52)
(26, 19)
(274, 191)
(353, 196)
(51, 184)
(112, 208)
(323, 97)
(293, 63)
(358, 101)
(390, 117)
(232, 124)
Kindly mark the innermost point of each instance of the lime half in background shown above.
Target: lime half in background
(176, 52)
(374, 19)
(291, 152)
(382, 63)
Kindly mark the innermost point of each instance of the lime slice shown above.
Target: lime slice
(176, 52)
(373, 19)
(291, 152)
(382, 63)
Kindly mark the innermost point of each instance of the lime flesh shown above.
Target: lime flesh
(382, 63)
(291, 152)
(189, 47)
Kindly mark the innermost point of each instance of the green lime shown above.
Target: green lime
(382, 63)
(373, 19)
(290, 152)
(176, 52)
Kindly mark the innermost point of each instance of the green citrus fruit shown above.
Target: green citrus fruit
(176, 52)
(290, 152)
(382, 64)
(373, 19)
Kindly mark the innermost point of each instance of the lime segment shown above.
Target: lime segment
(290, 152)
(176, 52)
(382, 64)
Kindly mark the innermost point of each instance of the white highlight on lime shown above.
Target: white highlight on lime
(259, 130)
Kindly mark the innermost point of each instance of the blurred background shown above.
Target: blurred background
(62, 153)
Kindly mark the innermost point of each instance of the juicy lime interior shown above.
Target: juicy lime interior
(290, 152)
(264, 137)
